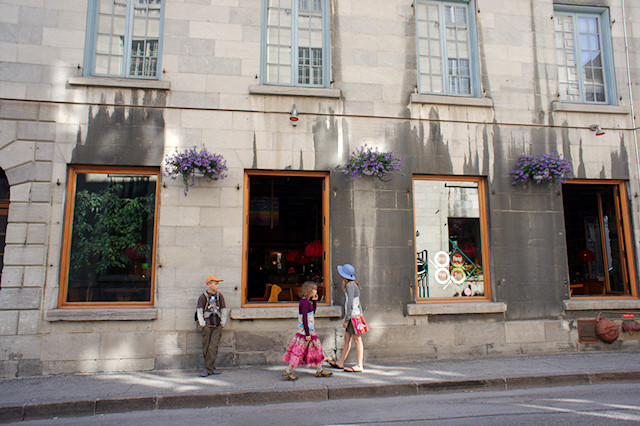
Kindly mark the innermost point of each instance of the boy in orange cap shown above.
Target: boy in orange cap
(212, 317)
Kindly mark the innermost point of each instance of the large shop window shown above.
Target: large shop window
(286, 231)
(4, 215)
(451, 239)
(599, 245)
(124, 38)
(109, 245)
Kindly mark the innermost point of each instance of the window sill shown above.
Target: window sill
(133, 83)
(294, 91)
(421, 98)
(600, 304)
(588, 108)
(283, 313)
(456, 308)
(108, 314)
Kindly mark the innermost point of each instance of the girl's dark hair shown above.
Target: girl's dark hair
(307, 289)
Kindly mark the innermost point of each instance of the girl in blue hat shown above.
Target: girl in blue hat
(352, 308)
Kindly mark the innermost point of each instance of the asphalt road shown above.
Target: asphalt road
(608, 404)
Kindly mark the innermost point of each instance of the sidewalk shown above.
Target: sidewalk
(82, 395)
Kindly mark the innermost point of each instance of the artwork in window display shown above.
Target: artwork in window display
(112, 233)
(447, 220)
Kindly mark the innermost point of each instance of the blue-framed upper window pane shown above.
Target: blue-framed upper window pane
(124, 38)
(583, 53)
(295, 40)
(447, 48)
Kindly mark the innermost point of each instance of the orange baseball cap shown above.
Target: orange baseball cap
(212, 278)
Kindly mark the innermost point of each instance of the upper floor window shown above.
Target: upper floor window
(583, 50)
(124, 38)
(447, 48)
(295, 42)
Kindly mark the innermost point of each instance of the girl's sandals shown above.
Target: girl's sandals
(353, 370)
(288, 375)
(323, 373)
(334, 364)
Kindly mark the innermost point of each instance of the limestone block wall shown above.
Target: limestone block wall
(51, 117)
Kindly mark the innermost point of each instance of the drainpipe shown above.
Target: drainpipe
(633, 113)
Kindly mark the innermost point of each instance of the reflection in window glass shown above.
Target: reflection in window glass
(295, 28)
(596, 245)
(448, 239)
(111, 247)
(285, 237)
(127, 31)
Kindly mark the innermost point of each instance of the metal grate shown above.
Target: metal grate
(587, 331)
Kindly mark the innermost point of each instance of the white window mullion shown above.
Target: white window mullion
(443, 46)
(126, 62)
(295, 10)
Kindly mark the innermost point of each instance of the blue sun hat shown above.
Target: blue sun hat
(347, 271)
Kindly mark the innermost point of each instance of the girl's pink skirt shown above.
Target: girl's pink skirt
(301, 352)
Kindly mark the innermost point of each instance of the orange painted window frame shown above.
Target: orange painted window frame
(484, 237)
(626, 234)
(326, 269)
(68, 223)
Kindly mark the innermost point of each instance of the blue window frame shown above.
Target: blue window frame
(295, 43)
(124, 38)
(583, 52)
(447, 48)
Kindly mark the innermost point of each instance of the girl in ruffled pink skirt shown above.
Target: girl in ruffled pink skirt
(305, 347)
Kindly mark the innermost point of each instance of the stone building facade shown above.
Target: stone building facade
(453, 260)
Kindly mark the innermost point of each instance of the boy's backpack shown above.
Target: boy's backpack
(195, 314)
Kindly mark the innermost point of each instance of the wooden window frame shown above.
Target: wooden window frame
(326, 263)
(629, 256)
(484, 237)
(66, 236)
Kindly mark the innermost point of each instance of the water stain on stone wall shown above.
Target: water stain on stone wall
(127, 135)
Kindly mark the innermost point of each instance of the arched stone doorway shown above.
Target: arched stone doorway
(4, 213)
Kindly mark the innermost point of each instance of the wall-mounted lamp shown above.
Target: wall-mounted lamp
(293, 117)
(596, 128)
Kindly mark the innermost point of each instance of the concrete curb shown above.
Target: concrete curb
(33, 411)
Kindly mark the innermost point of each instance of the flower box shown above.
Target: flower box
(543, 168)
(368, 162)
(194, 162)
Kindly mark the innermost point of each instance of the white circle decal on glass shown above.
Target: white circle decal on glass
(442, 275)
(441, 259)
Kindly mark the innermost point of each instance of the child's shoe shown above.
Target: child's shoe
(288, 375)
(324, 373)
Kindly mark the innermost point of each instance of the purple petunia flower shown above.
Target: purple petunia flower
(189, 161)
